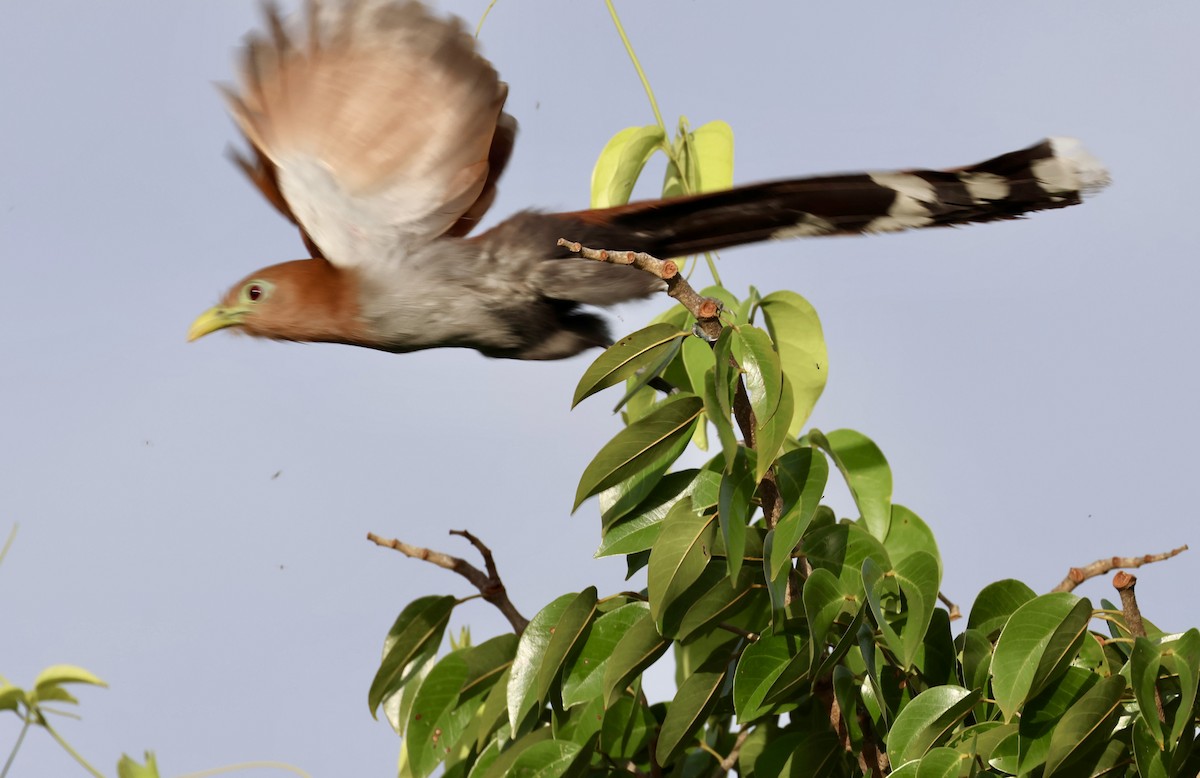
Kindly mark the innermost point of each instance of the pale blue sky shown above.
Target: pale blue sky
(1032, 383)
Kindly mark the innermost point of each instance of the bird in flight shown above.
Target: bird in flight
(379, 130)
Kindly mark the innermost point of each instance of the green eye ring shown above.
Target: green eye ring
(256, 291)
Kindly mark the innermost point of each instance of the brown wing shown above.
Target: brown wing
(382, 132)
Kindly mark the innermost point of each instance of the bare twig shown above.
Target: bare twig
(1124, 583)
(1078, 575)
(955, 613)
(705, 309)
(490, 587)
(728, 762)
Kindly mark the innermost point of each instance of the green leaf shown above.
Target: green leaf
(719, 603)
(716, 404)
(995, 604)
(919, 575)
(760, 665)
(866, 472)
(429, 734)
(638, 648)
(696, 698)
(1151, 762)
(772, 436)
(841, 549)
(801, 475)
(640, 528)
(679, 556)
(1143, 676)
(621, 162)
(735, 506)
(762, 373)
(626, 728)
(487, 662)
(583, 680)
(1087, 725)
(1181, 657)
(908, 534)
(815, 753)
(57, 675)
(825, 600)
(642, 445)
(1037, 644)
(416, 633)
(500, 764)
(625, 357)
(796, 330)
(928, 720)
(543, 649)
(127, 768)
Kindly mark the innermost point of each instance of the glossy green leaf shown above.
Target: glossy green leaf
(907, 533)
(841, 549)
(493, 716)
(1181, 658)
(825, 600)
(1151, 762)
(815, 753)
(487, 662)
(761, 372)
(941, 763)
(416, 633)
(679, 556)
(928, 720)
(866, 472)
(639, 528)
(719, 602)
(429, 734)
(1037, 644)
(735, 506)
(772, 436)
(919, 575)
(497, 763)
(716, 404)
(995, 604)
(801, 476)
(757, 669)
(621, 162)
(637, 649)
(696, 698)
(796, 330)
(583, 679)
(626, 729)
(543, 649)
(642, 445)
(1143, 677)
(625, 357)
(1087, 725)
(976, 659)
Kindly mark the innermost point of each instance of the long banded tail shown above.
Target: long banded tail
(1054, 173)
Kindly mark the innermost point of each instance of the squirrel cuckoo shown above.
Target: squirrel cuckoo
(380, 133)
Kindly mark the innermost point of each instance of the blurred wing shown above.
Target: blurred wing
(384, 131)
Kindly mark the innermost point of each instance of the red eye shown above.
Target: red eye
(254, 292)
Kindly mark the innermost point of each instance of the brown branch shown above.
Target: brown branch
(490, 587)
(1078, 575)
(728, 762)
(705, 309)
(1124, 582)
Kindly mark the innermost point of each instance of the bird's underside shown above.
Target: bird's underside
(380, 133)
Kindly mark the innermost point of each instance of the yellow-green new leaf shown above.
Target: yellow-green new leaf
(621, 162)
(797, 333)
(56, 675)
